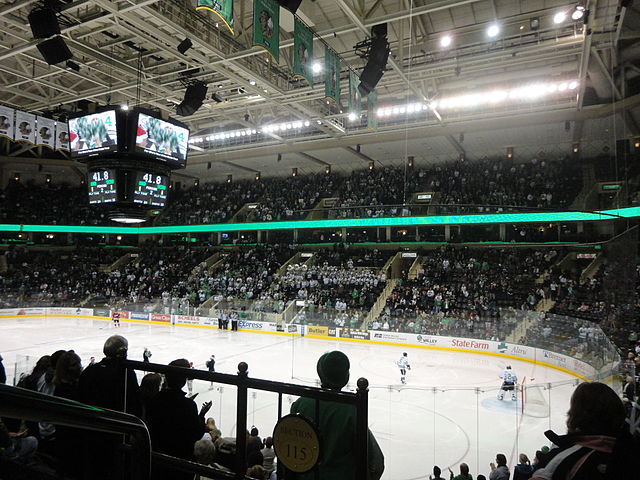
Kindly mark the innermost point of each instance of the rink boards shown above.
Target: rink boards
(565, 363)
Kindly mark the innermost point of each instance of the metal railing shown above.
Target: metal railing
(243, 383)
(33, 406)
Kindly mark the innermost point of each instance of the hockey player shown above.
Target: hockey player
(403, 365)
(509, 382)
(115, 318)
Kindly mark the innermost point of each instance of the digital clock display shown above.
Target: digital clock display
(150, 189)
(102, 186)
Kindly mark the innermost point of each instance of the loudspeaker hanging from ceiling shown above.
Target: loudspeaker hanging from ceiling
(376, 60)
(193, 97)
(44, 24)
(291, 5)
(54, 51)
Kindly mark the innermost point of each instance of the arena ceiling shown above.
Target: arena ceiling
(126, 50)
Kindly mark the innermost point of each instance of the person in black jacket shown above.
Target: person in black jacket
(103, 385)
(598, 445)
(174, 422)
(3, 375)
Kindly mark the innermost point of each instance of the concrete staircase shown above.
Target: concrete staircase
(123, 260)
(380, 303)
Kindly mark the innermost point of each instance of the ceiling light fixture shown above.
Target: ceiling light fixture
(559, 17)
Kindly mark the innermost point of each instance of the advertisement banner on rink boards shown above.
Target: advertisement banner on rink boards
(101, 312)
(192, 320)
(69, 311)
(223, 9)
(321, 331)
(353, 333)
(45, 132)
(144, 316)
(266, 26)
(62, 136)
(12, 312)
(161, 317)
(6, 122)
(25, 130)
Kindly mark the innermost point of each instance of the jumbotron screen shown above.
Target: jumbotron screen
(102, 186)
(150, 189)
(162, 140)
(93, 134)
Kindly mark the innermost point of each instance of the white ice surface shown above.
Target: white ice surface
(437, 418)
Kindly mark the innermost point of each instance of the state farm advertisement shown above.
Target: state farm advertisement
(161, 317)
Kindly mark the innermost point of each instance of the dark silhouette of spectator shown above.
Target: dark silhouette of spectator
(174, 422)
(436, 473)
(597, 445)
(149, 387)
(103, 384)
(268, 455)
(68, 440)
(523, 470)
(337, 425)
(499, 471)
(3, 374)
(464, 473)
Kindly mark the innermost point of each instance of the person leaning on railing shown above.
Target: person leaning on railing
(337, 426)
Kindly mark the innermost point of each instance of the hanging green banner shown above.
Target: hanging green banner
(222, 9)
(355, 100)
(372, 115)
(332, 75)
(266, 26)
(302, 52)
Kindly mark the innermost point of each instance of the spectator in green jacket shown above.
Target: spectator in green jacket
(464, 473)
(337, 426)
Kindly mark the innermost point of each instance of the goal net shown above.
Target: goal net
(534, 400)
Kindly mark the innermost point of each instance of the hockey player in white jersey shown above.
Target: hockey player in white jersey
(403, 365)
(509, 382)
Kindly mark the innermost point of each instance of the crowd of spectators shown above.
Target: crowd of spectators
(292, 198)
(488, 185)
(211, 202)
(463, 291)
(176, 426)
(245, 273)
(500, 184)
(48, 204)
(57, 277)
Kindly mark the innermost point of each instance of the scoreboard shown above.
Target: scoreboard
(150, 189)
(102, 186)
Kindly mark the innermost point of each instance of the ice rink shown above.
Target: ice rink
(446, 414)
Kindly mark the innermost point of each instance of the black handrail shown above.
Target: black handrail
(243, 382)
(25, 404)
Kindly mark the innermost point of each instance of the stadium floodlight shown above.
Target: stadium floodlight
(578, 12)
(445, 41)
(352, 116)
(559, 17)
(493, 30)
(316, 67)
(573, 85)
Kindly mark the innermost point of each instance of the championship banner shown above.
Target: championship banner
(266, 26)
(372, 116)
(221, 8)
(45, 132)
(302, 52)
(6, 122)
(62, 136)
(355, 100)
(332, 75)
(25, 127)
